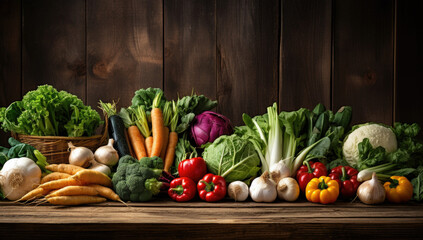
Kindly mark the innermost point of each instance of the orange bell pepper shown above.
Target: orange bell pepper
(322, 190)
(398, 189)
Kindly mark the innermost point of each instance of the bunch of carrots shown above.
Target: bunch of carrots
(161, 141)
(72, 185)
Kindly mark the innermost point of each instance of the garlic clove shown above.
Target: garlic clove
(107, 155)
(279, 170)
(263, 189)
(80, 156)
(100, 167)
(371, 191)
(288, 189)
(238, 191)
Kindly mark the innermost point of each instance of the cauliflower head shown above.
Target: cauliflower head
(377, 134)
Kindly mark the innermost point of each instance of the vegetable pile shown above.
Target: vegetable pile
(183, 150)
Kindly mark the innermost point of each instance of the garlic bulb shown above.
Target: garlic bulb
(238, 191)
(100, 167)
(279, 170)
(263, 189)
(371, 191)
(107, 154)
(80, 156)
(19, 176)
(288, 189)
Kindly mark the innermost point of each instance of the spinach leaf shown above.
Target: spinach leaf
(369, 156)
(320, 150)
(184, 150)
(335, 163)
(3, 156)
(19, 150)
(417, 183)
(145, 97)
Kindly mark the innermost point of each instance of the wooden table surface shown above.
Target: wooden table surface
(201, 220)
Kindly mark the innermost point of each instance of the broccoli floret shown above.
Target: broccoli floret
(152, 162)
(127, 159)
(137, 181)
(153, 185)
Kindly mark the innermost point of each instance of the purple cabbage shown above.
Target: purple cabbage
(208, 126)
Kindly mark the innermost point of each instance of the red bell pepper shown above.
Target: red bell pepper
(212, 188)
(347, 180)
(182, 189)
(194, 168)
(309, 171)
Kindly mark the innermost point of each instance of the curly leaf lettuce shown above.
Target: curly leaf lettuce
(48, 112)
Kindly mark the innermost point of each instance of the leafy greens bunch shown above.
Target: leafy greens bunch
(48, 112)
(188, 106)
(297, 136)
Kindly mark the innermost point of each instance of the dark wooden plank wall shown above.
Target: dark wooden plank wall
(363, 58)
(189, 47)
(53, 45)
(124, 49)
(305, 59)
(245, 53)
(247, 56)
(409, 61)
(10, 56)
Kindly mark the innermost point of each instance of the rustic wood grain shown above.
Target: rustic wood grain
(10, 56)
(125, 49)
(225, 220)
(190, 48)
(247, 56)
(363, 59)
(305, 59)
(409, 58)
(54, 45)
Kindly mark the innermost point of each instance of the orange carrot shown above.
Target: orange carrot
(56, 184)
(137, 142)
(106, 192)
(36, 193)
(131, 151)
(149, 145)
(173, 140)
(170, 152)
(157, 126)
(64, 168)
(88, 176)
(74, 191)
(54, 176)
(75, 200)
(166, 141)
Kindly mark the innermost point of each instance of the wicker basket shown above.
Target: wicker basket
(55, 149)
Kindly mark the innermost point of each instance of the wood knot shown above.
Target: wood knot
(79, 69)
(370, 77)
(101, 70)
(168, 52)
